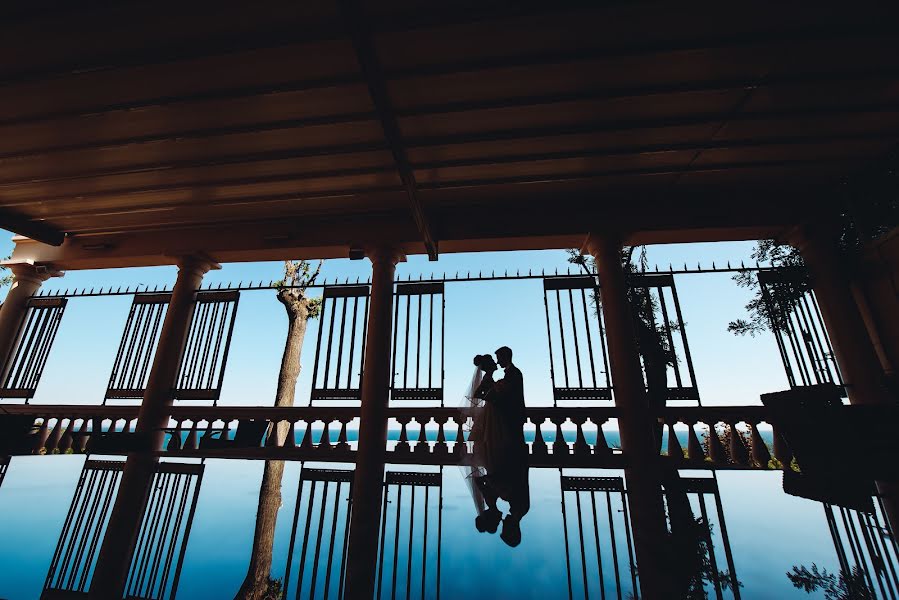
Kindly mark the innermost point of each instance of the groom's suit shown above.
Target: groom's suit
(509, 397)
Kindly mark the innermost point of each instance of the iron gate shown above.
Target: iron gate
(343, 381)
(205, 352)
(428, 381)
(795, 319)
(25, 364)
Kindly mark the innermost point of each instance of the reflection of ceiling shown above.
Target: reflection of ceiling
(130, 117)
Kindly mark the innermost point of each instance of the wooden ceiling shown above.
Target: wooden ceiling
(457, 120)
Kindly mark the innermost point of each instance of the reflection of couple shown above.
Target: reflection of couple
(498, 466)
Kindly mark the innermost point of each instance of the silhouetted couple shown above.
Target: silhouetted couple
(499, 460)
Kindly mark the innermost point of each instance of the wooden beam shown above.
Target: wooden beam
(36, 230)
(351, 11)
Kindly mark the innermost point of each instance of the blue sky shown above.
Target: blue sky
(480, 317)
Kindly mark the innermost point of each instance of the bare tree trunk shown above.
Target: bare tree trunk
(256, 584)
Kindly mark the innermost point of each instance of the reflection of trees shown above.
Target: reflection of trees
(845, 586)
(298, 275)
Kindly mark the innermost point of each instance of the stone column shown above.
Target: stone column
(852, 346)
(635, 421)
(158, 397)
(26, 280)
(362, 553)
(114, 558)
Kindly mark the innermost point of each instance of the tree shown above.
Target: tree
(298, 276)
(767, 313)
(846, 586)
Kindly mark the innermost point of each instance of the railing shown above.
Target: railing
(421, 435)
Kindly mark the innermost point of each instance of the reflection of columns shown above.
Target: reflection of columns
(158, 396)
(362, 555)
(851, 344)
(27, 279)
(117, 550)
(114, 558)
(635, 422)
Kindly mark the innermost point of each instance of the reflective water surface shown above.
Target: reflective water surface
(438, 534)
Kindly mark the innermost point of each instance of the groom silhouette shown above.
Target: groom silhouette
(509, 394)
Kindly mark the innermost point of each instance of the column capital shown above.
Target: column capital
(382, 254)
(599, 240)
(24, 270)
(199, 264)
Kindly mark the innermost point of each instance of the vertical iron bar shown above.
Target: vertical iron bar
(670, 337)
(801, 320)
(835, 534)
(346, 537)
(589, 337)
(91, 505)
(431, 343)
(227, 349)
(346, 301)
(104, 513)
(176, 530)
(45, 349)
(887, 545)
(442, 369)
(203, 363)
(293, 531)
(191, 354)
(349, 363)
(325, 383)
(778, 334)
(218, 351)
(424, 550)
(383, 537)
(711, 547)
(133, 354)
(15, 351)
(728, 553)
(67, 524)
(856, 546)
(123, 343)
(871, 553)
(683, 335)
(567, 548)
(306, 537)
(318, 345)
(333, 539)
(825, 365)
(439, 530)
(24, 353)
(826, 338)
(577, 345)
(406, 349)
(580, 531)
(318, 539)
(614, 544)
(797, 348)
(411, 534)
(602, 336)
(418, 345)
(602, 580)
(396, 539)
(549, 337)
(151, 344)
(630, 544)
(562, 336)
(364, 339)
(396, 328)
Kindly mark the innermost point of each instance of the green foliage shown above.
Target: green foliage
(766, 314)
(298, 276)
(6, 277)
(274, 590)
(846, 586)
(775, 464)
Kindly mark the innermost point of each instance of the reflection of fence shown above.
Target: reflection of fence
(405, 530)
(699, 488)
(863, 540)
(159, 552)
(327, 509)
(599, 558)
(337, 371)
(4, 466)
(795, 318)
(24, 366)
(416, 348)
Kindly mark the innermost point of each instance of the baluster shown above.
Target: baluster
(175, 438)
(191, 442)
(402, 444)
(226, 427)
(207, 433)
(539, 448)
(716, 448)
(55, 435)
(580, 446)
(694, 447)
(343, 443)
(82, 437)
(324, 442)
(675, 451)
(65, 442)
(441, 448)
(760, 453)
(43, 433)
(459, 445)
(602, 446)
(290, 439)
(421, 447)
(738, 453)
(96, 432)
(782, 450)
(560, 446)
(306, 444)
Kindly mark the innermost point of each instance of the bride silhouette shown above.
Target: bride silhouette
(497, 464)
